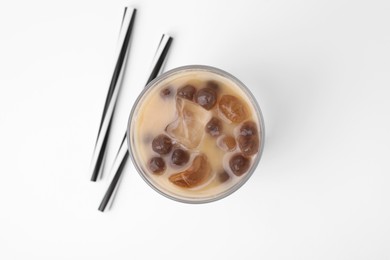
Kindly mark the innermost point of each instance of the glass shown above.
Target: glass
(132, 142)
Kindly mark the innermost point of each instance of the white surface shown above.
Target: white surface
(320, 71)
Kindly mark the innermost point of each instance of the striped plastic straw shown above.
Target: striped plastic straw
(123, 152)
(112, 95)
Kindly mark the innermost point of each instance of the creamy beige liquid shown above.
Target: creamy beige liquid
(154, 113)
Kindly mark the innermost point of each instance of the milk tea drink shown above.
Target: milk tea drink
(196, 134)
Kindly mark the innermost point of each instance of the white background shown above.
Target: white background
(320, 72)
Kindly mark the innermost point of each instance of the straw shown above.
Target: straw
(112, 95)
(123, 152)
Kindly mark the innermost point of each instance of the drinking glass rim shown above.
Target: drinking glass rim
(254, 103)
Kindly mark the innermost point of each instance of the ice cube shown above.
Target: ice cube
(188, 128)
(196, 174)
(232, 108)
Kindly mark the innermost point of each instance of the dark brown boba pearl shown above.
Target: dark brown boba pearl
(248, 138)
(239, 164)
(180, 157)
(157, 165)
(212, 84)
(226, 143)
(186, 92)
(214, 127)
(206, 97)
(249, 145)
(166, 92)
(248, 128)
(162, 144)
(147, 138)
(223, 176)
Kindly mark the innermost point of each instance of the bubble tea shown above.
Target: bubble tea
(195, 134)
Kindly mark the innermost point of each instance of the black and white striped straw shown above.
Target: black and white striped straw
(123, 152)
(112, 95)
